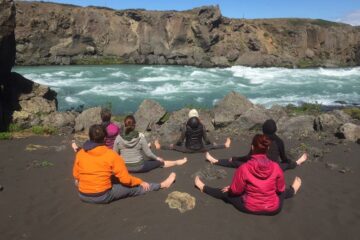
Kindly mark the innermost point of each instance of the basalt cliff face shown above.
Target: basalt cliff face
(21, 100)
(48, 33)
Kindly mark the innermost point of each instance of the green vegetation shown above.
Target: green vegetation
(118, 118)
(266, 34)
(297, 22)
(306, 108)
(325, 23)
(105, 60)
(164, 118)
(42, 130)
(308, 63)
(354, 112)
(15, 127)
(5, 135)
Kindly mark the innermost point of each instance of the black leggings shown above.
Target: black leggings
(238, 203)
(146, 167)
(237, 162)
(184, 149)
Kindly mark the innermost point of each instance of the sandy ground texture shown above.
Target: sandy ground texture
(39, 200)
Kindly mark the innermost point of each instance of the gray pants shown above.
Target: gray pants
(117, 192)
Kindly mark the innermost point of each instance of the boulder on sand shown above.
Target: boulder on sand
(252, 118)
(148, 114)
(330, 121)
(87, 118)
(230, 108)
(349, 131)
(299, 126)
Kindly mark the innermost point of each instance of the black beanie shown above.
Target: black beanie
(269, 127)
(193, 122)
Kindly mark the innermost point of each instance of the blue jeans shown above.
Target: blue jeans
(117, 192)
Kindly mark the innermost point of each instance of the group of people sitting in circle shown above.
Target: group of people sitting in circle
(103, 165)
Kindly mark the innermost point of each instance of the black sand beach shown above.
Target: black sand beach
(39, 200)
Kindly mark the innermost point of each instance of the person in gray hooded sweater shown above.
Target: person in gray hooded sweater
(131, 144)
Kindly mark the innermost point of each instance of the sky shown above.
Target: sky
(347, 11)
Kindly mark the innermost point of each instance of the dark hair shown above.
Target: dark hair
(193, 122)
(260, 144)
(269, 127)
(105, 115)
(97, 133)
(129, 123)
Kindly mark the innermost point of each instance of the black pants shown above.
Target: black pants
(238, 203)
(184, 149)
(146, 167)
(237, 162)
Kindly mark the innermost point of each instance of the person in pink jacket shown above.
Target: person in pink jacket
(258, 186)
(112, 130)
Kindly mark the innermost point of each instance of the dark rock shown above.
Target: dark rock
(349, 131)
(254, 45)
(252, 119)
(230, 108)
(148, 114)
(87, 118)
(327, 122)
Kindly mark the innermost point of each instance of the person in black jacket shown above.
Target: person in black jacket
(194, 135)
(276, 151)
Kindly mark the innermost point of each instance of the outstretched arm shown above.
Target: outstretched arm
(120, 171)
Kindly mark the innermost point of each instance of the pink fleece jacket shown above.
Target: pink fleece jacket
(112, 130)
(259, 181)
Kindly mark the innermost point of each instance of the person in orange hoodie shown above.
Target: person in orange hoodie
(96, 164)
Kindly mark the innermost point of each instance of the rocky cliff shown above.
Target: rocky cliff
(20, 99)
(48, 33)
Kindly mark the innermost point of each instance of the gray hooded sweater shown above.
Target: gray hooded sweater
(132, 150)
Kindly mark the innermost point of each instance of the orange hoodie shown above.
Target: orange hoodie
(94, 168)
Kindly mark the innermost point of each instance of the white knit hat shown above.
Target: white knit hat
(193, 113)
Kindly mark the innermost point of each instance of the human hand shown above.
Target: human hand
(225, 189)
(76, 182)
(160, 159)
(145, 186)
(230, 159)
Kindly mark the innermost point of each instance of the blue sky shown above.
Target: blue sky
(334, 10)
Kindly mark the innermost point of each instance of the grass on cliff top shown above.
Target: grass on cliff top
(306, 108)
(320, 22)
(354, 112)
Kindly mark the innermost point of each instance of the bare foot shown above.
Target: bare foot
(167, 182)
(302, 159)
(181, 161)
(157, 144)
(296, 184)
(227, 143)
(74, 146)
(199, 184)
(210, 158)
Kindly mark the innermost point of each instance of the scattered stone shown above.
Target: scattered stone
(211, 173)
(181, 201)
(140, 228)
(149, 113)
(345, 170)
(1, 188)
(34, 147)
(331, 166)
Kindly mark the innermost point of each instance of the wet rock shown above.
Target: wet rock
(349, 131)
(87, 118)
(230, 108)
(181, 201)
(211, 173)
(149, 113)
